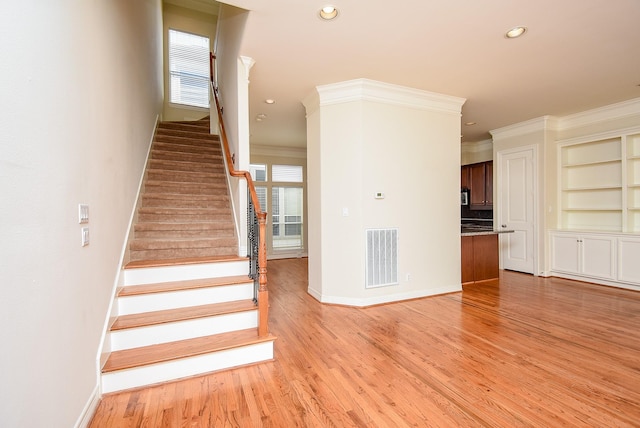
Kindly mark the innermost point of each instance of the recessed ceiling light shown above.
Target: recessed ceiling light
(270, 101)
(328, 13)
(515, 32)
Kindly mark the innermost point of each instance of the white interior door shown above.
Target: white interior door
(517, 208)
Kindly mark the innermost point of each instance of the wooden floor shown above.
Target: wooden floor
(527, 352)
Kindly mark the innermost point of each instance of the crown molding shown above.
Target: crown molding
(544, 123)
(371, 90)
(477, 146)
(601, 114)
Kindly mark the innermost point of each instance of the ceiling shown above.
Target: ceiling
(576, 55)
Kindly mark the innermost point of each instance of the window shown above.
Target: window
(280, 190)
(286, 217)
(188, 69)
(258, 172)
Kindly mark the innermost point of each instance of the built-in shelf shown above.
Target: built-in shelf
(593, 209)
(583, 164)
(599, 180)
(595, 188)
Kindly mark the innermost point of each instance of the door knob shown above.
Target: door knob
(504, 225)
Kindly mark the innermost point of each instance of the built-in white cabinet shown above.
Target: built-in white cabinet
(633, 182)
(629, 259)
(581, 254)
(597, 257)
(599, 209)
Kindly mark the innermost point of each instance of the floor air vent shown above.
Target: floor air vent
(382, 257)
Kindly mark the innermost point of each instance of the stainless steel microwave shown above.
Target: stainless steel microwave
(464, 197)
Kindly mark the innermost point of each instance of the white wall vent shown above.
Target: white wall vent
(382, 257)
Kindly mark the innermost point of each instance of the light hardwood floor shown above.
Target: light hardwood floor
(524, 352)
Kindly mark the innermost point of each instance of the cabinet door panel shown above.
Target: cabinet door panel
(629, 260)
(598, 255)
(564, 253)
(477, 185)
(464, 177)
(485, 262)
(467, 259)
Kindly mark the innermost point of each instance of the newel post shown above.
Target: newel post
(263, 293)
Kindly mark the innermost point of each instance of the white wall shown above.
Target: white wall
(232, 79)
(81, 86)
(366, 137)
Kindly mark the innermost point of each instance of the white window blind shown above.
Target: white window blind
(286, 173)
(188, 69)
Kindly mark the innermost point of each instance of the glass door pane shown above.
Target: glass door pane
(286, 217)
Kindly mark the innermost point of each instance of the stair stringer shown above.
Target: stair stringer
(105, 344)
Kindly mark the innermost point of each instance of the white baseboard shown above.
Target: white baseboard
(377, 300)
(89, 409)
(597, 281)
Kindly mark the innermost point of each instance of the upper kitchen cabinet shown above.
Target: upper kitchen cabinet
(481, 185)
(465, 174)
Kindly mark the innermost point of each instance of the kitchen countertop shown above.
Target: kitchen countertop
(474, 230)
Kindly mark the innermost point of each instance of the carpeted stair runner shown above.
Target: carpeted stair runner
(185, 210)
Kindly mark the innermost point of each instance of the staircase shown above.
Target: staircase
(186, 307)
(185, 209)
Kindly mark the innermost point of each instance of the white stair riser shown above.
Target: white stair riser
(171, 332)
(171, 370)
(154, 275)
(183, 298)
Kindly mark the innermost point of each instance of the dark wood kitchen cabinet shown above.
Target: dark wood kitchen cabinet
(465, 175)
(481, 185)
(479, 258)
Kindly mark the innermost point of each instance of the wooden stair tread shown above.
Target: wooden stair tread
(181, 242)
(161, 287)
(215, 224)
(152, 354)
(181, 314)
(194, 210)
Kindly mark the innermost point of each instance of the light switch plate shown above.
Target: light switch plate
(83, 213)
(85, 236)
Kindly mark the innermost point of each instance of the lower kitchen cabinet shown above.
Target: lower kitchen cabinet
(600, 257)
(479, 258)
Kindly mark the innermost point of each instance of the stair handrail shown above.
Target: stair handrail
(257, 219)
